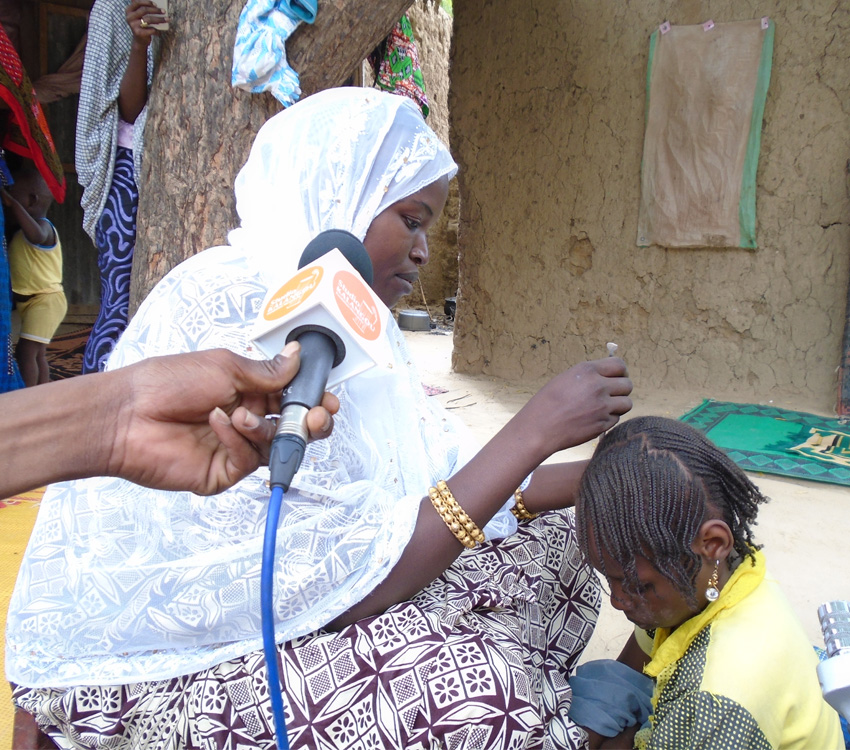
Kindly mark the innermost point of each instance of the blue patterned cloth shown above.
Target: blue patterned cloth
(259, 53)
(115, 240)
(10, 377)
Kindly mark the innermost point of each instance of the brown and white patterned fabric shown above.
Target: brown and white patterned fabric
(480, 659)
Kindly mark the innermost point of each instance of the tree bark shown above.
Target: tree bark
(200, 129)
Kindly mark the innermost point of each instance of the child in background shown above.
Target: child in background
(35, 263)
(666, 517)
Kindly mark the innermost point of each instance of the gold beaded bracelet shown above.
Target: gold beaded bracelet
(519, 510)
(459, 523)
(449, 518)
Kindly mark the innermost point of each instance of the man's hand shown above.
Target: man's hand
(196, 421)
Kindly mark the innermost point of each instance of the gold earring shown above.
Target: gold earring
(712, 592)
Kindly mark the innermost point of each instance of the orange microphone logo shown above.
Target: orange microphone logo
(293, 293)
(356, 305)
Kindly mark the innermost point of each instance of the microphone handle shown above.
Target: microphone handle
(318, 351)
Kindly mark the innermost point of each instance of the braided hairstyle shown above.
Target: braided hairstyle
(650, 485)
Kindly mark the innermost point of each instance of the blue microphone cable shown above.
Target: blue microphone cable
(285, 457)
(322, 349)
(267, 612)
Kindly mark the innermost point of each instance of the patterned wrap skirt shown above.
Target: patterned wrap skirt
(480, 659)
(116, 241)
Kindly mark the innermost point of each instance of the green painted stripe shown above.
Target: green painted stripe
(653, 40)
(747, 203)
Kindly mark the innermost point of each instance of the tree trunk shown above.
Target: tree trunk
(200, 129)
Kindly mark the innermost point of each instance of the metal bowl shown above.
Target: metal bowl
(414, 320)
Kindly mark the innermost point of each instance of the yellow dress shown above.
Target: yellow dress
(740, 675)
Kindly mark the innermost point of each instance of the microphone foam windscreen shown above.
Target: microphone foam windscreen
(352, 249)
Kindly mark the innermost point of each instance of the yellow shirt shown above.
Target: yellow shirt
(740, 675)
(35, 269)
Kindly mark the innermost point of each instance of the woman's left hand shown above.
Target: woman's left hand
(142, 16)
(575, 406)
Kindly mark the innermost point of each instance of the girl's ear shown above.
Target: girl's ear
(714, 540)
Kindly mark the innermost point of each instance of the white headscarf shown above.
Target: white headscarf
(332, 161)
(121, 583)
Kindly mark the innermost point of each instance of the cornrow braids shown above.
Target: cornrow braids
(650, 485)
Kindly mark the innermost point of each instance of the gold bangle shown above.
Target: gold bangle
(457, 520)
(466, 530)
(519, 510)
(449, 518)
(463, 518)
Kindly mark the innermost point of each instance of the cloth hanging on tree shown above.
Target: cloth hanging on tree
(706, 88)
(396, 65)
(26, 132)
(259, 52)
(66, 80)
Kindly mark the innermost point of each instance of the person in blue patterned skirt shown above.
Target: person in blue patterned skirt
(117, 73)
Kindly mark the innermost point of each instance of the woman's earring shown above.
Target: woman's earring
(712, 592)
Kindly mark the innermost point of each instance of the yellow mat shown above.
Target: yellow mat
(17, 516)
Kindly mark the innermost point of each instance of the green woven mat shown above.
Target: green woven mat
(777, 441)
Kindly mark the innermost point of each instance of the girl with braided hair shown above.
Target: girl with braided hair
(666, 517)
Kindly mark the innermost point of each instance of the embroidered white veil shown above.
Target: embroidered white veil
(122, 583)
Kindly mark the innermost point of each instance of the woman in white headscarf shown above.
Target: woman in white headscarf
(137, 613)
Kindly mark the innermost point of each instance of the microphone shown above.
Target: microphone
(322, 349)
(338, 320)
(352, 249)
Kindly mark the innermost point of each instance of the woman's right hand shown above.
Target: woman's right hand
(576, 406)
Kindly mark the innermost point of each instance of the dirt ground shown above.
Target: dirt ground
(803, 528)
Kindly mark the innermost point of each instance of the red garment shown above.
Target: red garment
(26, 132)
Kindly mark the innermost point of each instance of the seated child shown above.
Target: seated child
(666, 517)
(35, 264)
